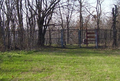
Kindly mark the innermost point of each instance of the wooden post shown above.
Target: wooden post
(96, 37)
(105, 37)
(79, 38)
(62, 38)
(50, 37)
(86, 40)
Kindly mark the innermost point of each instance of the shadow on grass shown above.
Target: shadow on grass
(68, 51)
(4, 79)
(75, 51)
(1, 60)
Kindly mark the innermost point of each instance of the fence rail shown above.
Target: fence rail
(53, 37)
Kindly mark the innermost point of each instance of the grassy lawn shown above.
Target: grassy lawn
(55, 64)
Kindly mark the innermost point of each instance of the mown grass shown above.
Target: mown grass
(56, 64)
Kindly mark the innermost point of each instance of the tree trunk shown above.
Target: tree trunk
(41, 33)
(8, 34)
(114, 12)
(50, 41)
(2, 45)
(0, 34)
(41, 38)
(20, 22)
(14, 33)
(81, 22)
(68, 35)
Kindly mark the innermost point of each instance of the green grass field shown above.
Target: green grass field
(56, 64)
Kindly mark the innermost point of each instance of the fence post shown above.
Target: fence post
(79, 38)
(96, 38)
(62, 39)
(105, 37)
(50, 42)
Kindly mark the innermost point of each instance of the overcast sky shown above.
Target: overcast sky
(106, 5)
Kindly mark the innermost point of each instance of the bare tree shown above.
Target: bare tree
(115, 13)
(99, 11)
(70, 10)
(44, 12)
(80, 20)
(20, 22)
(64, 16)
(30, 23)
(1, 41)
(80, 17)
(8, 19)
(2, 36)
(0, 26)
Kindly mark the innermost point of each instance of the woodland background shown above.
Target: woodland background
(28, 24)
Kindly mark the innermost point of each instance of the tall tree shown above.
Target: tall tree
(70, 10)
(81, 20)
(45, 9)
(2, 41)
(8, 5)
(99, 11)
(30, 23)
(114, 12)
(19, 8)
(0, 25)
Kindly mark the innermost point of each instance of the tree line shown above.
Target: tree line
(21, 18)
